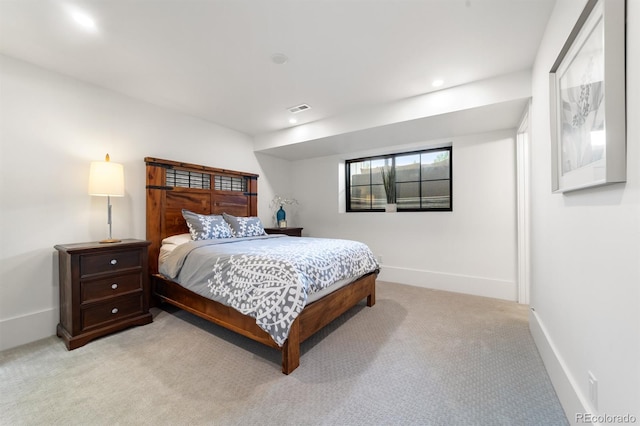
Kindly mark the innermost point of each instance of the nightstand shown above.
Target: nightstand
(292, 232)
(103, 288)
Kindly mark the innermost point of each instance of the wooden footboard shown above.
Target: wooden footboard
(315, 316)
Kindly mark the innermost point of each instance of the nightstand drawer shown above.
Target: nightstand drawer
(112, 310)
(109, 262)
(108, 287)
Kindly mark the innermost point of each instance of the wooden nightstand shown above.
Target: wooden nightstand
(103, 288)
(292, 232)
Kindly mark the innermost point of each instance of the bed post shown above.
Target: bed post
(155, 221)
(371, 298)
(252, 192)
(291, 349)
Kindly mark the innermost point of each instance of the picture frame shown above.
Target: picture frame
(587, 101)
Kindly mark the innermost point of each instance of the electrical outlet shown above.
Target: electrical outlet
(593, 390)
(379, 258)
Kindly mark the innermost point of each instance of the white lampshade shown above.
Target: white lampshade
(106, 178)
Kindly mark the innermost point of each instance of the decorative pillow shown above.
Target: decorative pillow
(206, 227)
(244, 226)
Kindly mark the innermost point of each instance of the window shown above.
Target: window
(423, 181)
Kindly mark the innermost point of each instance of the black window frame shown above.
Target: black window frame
(392, 158)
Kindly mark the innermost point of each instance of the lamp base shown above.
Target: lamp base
(109, 241)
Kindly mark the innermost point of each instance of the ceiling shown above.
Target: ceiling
(212, 59)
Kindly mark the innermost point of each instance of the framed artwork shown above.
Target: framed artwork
(587, 94)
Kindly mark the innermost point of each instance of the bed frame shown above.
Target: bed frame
(172, 186)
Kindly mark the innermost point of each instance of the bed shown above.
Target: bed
(173, 187)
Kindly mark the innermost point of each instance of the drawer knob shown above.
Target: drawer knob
(113, 261)
(114, 286)
(114, 311)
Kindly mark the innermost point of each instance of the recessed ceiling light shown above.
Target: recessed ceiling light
(279, 58)
(437, 83)
(83, 20)
(293, 120)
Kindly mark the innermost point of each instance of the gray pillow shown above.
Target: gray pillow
(244, 226)
(206, 227)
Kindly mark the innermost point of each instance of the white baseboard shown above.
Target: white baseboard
(564, 384)
(478, 286)
(28, 328)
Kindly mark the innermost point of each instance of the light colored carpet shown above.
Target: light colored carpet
(418, 357)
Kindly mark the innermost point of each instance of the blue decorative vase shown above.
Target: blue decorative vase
(281, 215)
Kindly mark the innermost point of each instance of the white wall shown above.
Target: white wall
(51, 128)
(585, 252)
(471, 249)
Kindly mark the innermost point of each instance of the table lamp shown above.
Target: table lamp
(106, 179)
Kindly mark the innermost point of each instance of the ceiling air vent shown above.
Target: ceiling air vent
(299, 108)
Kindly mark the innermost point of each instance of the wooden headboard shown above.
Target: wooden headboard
(173, 186)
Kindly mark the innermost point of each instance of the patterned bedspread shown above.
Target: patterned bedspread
(268, 278)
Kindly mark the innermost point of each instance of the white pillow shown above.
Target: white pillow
(177, 239)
